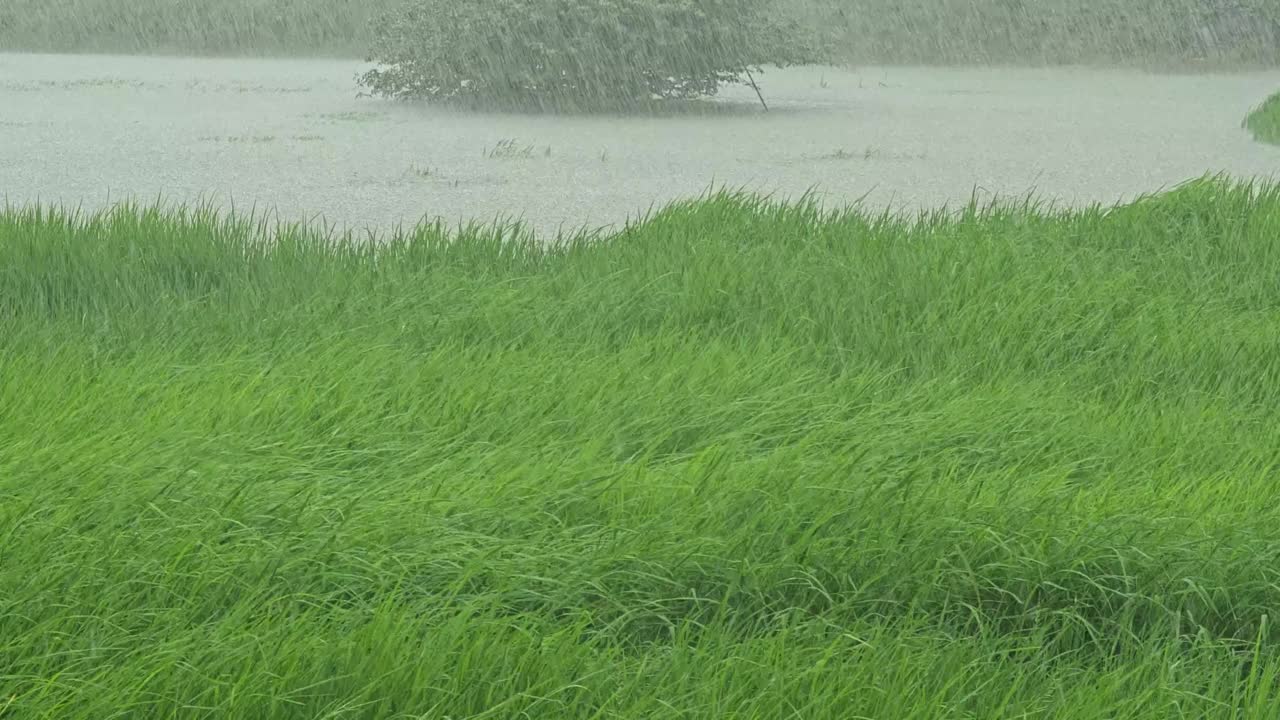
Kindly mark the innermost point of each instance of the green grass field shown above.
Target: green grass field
(741, 460)
(1158, 33)
(1264, 122)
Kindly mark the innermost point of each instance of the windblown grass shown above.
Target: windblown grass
(1159, 33)
(1264, 122)
(315, 28)
(743, 460)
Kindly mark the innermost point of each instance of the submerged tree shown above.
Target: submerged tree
(581, 54)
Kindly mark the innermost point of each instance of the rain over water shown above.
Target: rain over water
(298, 136)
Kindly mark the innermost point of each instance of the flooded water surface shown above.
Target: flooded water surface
(294, 136)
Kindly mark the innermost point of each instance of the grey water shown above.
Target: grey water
(292, 137)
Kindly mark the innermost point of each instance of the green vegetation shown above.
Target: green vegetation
(1155, 32)
(740, 460)
(329, 28)
(1264, 122)
(581, 54)
(1152, 33)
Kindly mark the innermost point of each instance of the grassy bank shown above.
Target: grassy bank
(743, 460)
(1160, 33)
(1264, 122)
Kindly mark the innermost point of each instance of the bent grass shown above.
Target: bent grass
(742, 459)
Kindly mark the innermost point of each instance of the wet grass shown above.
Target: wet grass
(318, 28)
(1155, 34)
(1158, 33)
(743, 460)
(1264, 122)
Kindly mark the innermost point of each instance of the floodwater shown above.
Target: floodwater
(293, 136)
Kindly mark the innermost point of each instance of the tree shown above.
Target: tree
(580, 54)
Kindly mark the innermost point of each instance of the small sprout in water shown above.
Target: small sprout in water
(507, 148)
(870, 153)
(839, 154)
(422, 171)
(239, 138)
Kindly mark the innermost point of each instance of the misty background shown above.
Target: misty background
(1213, 33)
(917, 103)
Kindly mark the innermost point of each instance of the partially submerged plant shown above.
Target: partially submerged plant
(581, 54)
(508, 148)
(1264, 121)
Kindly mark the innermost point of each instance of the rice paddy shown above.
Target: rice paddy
(824, 443)
(742, 459)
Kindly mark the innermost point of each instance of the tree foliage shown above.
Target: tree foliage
(558, 54)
